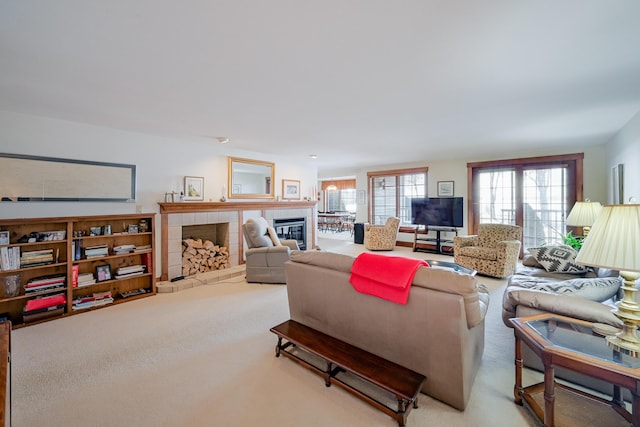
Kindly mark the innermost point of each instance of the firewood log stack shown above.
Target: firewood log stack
(200, 256)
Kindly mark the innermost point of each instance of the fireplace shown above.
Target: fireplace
(292, 229)
(217, 233)
(175, 216)
(205, 247)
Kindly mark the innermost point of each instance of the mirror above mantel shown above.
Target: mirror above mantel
(250, 179)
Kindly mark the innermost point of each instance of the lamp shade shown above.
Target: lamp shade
(614, 240)
(584, 214)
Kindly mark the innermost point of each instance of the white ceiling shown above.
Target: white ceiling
(357, 82)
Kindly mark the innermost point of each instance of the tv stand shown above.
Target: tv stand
(438, 240)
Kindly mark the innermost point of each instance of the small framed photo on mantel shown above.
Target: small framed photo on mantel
(445, 188)
(290, 189)
(193, 188)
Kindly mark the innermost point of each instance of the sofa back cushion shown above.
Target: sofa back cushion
(324, 259)
(491, 234)
(475, 296)
(256, 233)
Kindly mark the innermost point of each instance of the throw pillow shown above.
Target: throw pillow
(529, 261)
(274, 236)
(558, 259)
(596, 289)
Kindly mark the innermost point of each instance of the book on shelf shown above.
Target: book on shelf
(45, 280)
(96, 251)
(75, 272)
(142, 248)
(86, 279)
(132, 270)
(94, 300)
(43, 252)
(45, 301)
(10, 257)
(133, 292)
(34, 317)
(123, 249)
(44, 309)
(44, 284)
(147, 260)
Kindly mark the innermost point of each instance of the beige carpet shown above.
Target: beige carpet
(205, 357)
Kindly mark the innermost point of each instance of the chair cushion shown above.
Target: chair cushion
(257, 232)
(479, 252)
(560, 258)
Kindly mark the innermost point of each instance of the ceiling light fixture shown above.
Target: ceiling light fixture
(313, 156)
(222, 139)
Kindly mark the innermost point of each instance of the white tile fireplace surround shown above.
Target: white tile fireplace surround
(176, 215)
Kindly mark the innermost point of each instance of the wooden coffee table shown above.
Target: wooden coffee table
(570, 343)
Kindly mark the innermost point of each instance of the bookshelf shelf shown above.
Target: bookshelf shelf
(75, 231)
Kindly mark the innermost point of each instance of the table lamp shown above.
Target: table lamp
(614, 243)
(584, 214)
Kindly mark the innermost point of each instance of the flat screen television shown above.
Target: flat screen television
(437, 211)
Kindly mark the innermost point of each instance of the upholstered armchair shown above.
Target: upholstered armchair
(266, 254)
(493, 251)
(382, 237)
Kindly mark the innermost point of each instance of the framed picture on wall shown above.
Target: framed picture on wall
(290, 189)
(193, 188)
(445, 188)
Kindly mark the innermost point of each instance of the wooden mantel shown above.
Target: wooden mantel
(183, 207)
(169, 209)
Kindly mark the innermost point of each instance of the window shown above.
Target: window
(390, 193)
(341, 200)
(340, 195)
(535, 193)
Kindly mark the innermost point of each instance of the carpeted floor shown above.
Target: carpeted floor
(205, 357)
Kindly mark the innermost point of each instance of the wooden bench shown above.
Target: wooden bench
(339, 356)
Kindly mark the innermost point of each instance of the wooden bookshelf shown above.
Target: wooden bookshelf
(137, 230)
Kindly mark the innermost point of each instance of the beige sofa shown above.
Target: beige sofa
(438, 333)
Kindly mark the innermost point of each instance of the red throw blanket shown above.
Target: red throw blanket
(383, 276)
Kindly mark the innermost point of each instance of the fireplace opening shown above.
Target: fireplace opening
(292, 228)
(205, 248)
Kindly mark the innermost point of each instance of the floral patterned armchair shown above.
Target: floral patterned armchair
(494, 251)
(381, 237)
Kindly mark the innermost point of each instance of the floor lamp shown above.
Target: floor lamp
(614, 242)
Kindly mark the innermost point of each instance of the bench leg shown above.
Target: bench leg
(327, 374)
(402, 412)
(278, 346)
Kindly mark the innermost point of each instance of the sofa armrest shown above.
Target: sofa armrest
(566, 305)
(291, 244)
(462, 241)
(271, 249)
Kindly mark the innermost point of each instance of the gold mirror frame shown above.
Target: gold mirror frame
(246, 177)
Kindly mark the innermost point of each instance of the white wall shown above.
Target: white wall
(595, 173)
(624, 148)
(161, 164)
